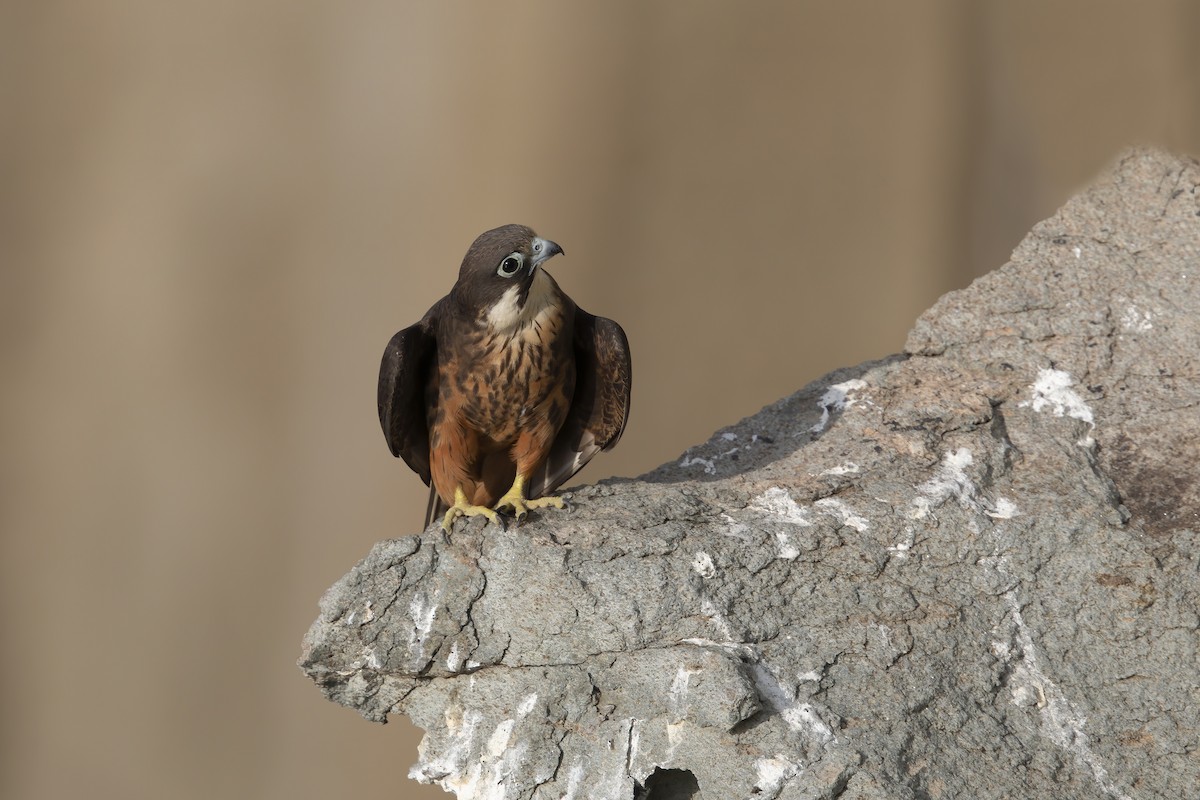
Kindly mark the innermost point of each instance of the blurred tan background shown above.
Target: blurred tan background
(214, 214)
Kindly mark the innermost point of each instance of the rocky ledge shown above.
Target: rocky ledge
(970, 570)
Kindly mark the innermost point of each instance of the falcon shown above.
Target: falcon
(505, 388)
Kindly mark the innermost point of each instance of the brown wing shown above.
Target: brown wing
(599, 407)
(409, 362)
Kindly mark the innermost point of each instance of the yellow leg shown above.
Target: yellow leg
(515, 499)
(462, 508)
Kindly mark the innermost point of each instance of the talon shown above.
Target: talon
(462, 508)
(515, 499)
(517, 504)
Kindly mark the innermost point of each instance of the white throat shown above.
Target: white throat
(507, 314)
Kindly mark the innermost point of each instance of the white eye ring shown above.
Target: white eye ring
(510, 265)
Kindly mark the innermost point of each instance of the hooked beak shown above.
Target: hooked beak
(543, 250)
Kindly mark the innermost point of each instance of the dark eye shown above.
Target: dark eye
(511, 265)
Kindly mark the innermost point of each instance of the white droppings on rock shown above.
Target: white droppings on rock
(710, 466)
(901, 548)
(1052, 392)
(778, 502)
(734, 528)
(455, 768)
(371, 658)
(1003, 508)
(679, 686)
(843, 513)
(453, 659)
(574, 778)
(797, 716)
(837, 398)
(709, 610)
(702, 563)
(527, 704)
(951, 481)
(422, 611)
(787, 550)
(1062, 723)
(772, 774)
(497, 743)
(1023, 694)
(1136, 320)
(743, 650)
(675, 731)
(843, 469)
(807, 715)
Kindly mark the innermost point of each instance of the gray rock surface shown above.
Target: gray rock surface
(969, 571)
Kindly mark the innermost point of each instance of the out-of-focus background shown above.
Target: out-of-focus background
(214, 213)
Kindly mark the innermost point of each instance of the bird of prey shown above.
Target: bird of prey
(505, 388)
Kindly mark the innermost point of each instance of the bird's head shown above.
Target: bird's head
(500, 277)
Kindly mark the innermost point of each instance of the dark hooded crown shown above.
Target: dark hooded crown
(497, 261)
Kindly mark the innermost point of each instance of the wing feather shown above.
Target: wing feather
(408, 366)
(599, 406)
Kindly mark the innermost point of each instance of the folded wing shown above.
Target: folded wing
(404, 374)
(599, 406)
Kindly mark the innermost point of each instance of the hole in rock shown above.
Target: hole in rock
(668, 784)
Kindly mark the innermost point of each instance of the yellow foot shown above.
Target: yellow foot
(462, 508)
(514, 498)
(520, 506)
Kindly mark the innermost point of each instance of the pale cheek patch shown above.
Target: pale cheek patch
(506, 313)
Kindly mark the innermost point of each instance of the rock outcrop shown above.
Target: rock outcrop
(972, 570)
